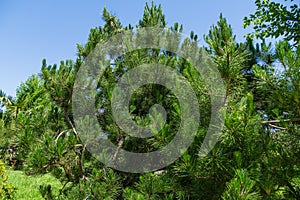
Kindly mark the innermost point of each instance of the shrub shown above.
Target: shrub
(7, 191)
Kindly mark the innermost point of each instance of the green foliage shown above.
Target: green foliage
(28, 187)
(240, 187)
(150, 186)
(153, 17)
(256, 157)
(101, 184)
(280, 109)
(229, 56)
(7, 191)
(273, 19)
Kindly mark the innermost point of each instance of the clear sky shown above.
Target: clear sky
(31, 30)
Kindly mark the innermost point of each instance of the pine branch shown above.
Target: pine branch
(70, 123)
(60, 134)
(278, 121)
(120, 144)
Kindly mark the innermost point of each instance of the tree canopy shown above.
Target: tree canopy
(274, 19)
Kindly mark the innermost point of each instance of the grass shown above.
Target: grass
(28, 186)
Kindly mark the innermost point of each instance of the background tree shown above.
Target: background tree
(273, 19)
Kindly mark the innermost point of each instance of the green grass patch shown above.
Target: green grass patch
(28, 186)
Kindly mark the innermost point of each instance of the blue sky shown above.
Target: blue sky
(33, 29)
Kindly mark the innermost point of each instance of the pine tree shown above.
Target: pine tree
(256, 156)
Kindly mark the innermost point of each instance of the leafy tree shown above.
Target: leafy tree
(273, 19)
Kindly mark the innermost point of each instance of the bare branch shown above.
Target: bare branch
(120, 144)
(278, 121)
(278, 127)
